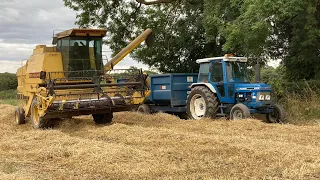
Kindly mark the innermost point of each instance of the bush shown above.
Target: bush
(302, 108)
(8, 81)
(8, 94)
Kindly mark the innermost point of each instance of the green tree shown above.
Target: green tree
(263, 29)
(178, 29)
(8, 81)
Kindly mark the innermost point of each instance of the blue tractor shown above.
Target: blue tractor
(223, 88)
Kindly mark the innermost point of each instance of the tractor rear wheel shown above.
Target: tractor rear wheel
(37, 121)
(239, 111)
(103, 118)
(144, 109)
(277, 116)
(19, 116)
(202, 103)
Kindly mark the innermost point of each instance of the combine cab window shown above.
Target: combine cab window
(81, 53)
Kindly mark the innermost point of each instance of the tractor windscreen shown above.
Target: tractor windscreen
(237, 72)
(81, 53)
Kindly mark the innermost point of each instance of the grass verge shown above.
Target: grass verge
(8, 97)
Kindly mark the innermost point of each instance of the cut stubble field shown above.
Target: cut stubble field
(159, 146)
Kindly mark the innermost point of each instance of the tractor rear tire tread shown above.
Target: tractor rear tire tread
(210, 99)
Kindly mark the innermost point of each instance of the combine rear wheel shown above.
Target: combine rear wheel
(202, 103)
(277, 116)
(103, 118)
(239, 111)
(144, 108)
(37, 121)
(19, 116)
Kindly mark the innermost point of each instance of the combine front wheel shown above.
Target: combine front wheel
(37, 121)
(103, 118)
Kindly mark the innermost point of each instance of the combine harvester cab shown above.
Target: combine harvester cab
(70, 79)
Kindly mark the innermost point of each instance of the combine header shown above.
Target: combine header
(70, 79)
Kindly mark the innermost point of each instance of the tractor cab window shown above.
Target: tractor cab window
(81, 53)
(204, 72)
(216, 72)
(237, 72)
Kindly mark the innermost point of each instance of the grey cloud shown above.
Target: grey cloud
(26, 23)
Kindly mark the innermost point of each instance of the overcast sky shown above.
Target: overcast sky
(27, 23)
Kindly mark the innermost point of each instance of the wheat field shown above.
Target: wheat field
(159, 146)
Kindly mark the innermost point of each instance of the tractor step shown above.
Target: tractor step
(222, 114)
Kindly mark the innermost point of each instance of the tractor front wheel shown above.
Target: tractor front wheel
(277, 115)
(19, 116)
(239, 111)
(37, 121)
(202, 103)
(103, 118)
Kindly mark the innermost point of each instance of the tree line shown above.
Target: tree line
(8, 81)
(186, 30)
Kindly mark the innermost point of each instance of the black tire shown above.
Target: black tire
(239, 111)
(144, 108)
(183, 115)
(278, 116)
(37, 121)
(210, 100)
(103, 118)
(19, 116)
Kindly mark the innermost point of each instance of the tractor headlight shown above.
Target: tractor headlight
(261, 97)
(268, 97)
(264, 96)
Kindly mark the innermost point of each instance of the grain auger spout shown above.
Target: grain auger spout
(145, 36)
(69, 79)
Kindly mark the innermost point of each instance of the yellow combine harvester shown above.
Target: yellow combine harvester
(70, 79)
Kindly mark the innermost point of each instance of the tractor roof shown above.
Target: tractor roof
(82, 32)
(224, 58)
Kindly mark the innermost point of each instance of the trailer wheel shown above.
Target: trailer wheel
(239, 111)
(19, 116)
(202, 103)
(183, 115)
(277, 116)
(37, 121)
(103, 118)
(144, 109)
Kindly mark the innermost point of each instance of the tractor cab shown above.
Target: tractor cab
(227, 79)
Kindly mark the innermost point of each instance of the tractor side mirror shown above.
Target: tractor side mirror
(257, 73)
